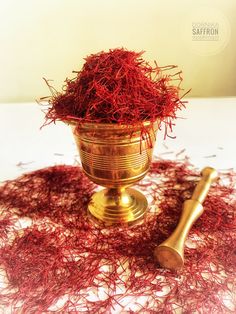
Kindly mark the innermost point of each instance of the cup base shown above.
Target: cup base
(114, 206)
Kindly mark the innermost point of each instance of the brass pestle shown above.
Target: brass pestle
(170, 253)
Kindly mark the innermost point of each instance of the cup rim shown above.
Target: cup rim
(112, 126)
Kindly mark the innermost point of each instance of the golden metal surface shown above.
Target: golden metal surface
(170, 254)
(116, 156)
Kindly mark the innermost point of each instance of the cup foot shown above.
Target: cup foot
(118, 205)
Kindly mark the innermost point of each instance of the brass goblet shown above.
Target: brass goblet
(116, 156)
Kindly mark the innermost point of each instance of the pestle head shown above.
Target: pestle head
(168, 257)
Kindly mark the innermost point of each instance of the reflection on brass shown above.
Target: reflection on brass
(170, 254)
(116, 156)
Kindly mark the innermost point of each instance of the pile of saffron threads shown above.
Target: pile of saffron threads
(118, 86)
(54, 259)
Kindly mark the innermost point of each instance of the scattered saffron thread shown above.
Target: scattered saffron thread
(210, 156)
(60, 261)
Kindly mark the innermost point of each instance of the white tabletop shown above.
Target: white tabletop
(205, 132)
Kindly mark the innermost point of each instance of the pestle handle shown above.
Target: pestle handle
(170, 254)
(209, 175)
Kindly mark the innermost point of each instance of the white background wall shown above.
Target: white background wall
(49, 38)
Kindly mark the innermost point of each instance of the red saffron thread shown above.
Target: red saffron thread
(61, 262)
(117, 86)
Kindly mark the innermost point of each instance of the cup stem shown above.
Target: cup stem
(119, 196)
(114, 205)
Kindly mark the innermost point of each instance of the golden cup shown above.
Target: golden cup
(116, 156)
